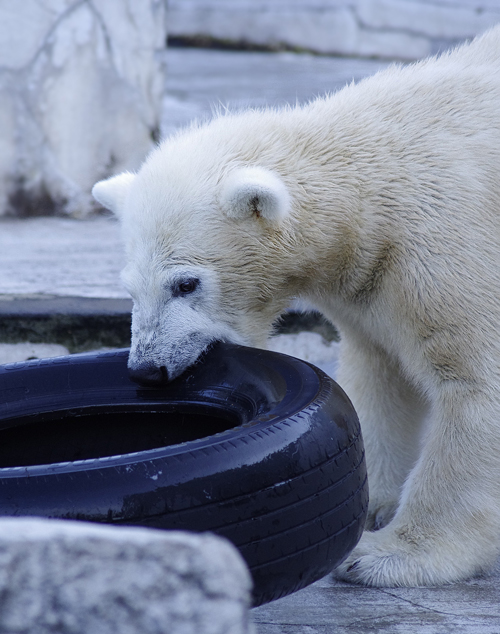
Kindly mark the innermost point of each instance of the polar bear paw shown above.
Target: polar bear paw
(383, 559)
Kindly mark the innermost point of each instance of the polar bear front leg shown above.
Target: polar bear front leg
(391, 415)
(448, 522)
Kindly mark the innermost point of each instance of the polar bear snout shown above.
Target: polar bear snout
(161, 355)
(148, 374)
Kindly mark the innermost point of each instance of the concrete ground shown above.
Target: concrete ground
(64, 274)
(200, 82)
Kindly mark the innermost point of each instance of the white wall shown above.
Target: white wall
(80, 94)
(401, 29)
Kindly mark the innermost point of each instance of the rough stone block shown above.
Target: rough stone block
(67, 577)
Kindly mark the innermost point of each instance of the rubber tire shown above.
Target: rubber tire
(285, 481)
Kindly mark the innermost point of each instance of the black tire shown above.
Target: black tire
(255, 446)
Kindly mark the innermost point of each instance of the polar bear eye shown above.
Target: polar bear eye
(186, 287)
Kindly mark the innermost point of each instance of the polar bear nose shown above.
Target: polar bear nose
(148, 374)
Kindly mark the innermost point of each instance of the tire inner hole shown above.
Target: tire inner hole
(72, 435)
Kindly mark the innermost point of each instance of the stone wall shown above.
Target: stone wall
(395, 29)
(81, 84)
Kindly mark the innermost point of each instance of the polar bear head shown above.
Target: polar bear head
(208, 237)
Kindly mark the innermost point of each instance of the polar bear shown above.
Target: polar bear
(379, 205)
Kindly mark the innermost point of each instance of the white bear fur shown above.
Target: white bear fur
(384, 201)
(253, 190)
(112, 192)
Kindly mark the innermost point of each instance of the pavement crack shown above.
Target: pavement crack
(418, 605)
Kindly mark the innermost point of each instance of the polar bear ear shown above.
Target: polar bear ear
(254, 191)
(111, 193)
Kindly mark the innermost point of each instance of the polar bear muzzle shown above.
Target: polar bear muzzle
(148, 374)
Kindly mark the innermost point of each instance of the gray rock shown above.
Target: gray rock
(81, 578)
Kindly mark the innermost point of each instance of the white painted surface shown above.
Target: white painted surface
(80, 92)
(404, 29)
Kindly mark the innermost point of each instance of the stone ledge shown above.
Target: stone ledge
(80, 578)
(83, 323)
(77, 323)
